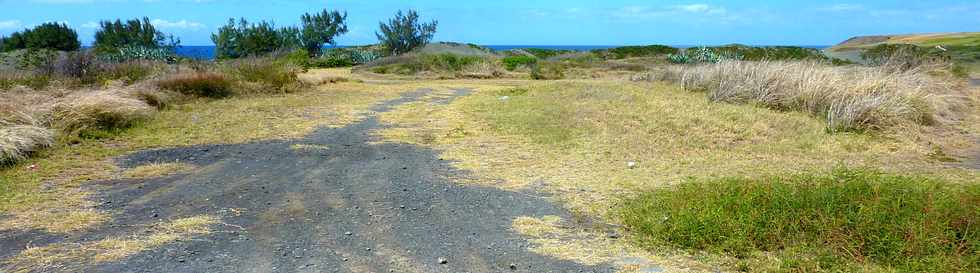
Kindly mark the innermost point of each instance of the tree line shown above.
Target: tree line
(238, 38)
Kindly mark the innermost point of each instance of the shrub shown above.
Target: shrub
(86, 114)
(129, 72)
(81, 65)
(831, 223)
(271, 76)
(404, 32)
(18, 141)
(850, 98)
(639, 51)
(548, 71)
(513, 62)
(50, 36)
(542, 53)
(244, 39)
(201, 84)
(331, 62)
(770, 53)
(905, 57)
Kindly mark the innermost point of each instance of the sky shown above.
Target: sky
(540, 22)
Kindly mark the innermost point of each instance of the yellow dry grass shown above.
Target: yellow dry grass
(551, 236)
(157, 170)
(576, 139)
(69, 257)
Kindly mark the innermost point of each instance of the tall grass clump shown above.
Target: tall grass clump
(264, 75)
(839, 222)
(19, 141)
(201, 84)
(91, 114)
(850, 98)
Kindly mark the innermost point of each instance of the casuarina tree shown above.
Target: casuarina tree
(404, 32)
(321, 28)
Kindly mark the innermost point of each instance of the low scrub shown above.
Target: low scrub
(89, 114)
(638, 51)
(511, 63)
(548, 71)
(19, 141)
(201, 84)
(849, 220)
(850, 98)
(443, 65)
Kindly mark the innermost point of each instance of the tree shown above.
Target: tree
(321, 28)
(54, 36)
(404, 32)
(133, 33)
(242, 39)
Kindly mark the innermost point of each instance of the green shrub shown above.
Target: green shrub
(770, 53)
(639, 51)
(513, 62)
(819, 223)
(546, 53)
(128, 72)
(331, 62)
(904, 57)
(548, 71)
(445, 62)
(201, 84)
(50, 36)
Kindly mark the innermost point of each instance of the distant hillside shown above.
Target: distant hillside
(928, 39)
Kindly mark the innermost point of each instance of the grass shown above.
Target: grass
(156, 170)
(201, 84)
(90, 114)
(844, 221)
(66, 208)
(69, 257)
(849, 98)
(19, 141)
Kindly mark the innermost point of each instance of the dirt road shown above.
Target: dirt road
(342, 204)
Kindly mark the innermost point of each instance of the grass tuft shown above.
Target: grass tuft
(202, 84)
(819, 223)
(17, 142)
(100, 111)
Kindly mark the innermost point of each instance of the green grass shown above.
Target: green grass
(513, 62)
(639, 51)
(848, 220)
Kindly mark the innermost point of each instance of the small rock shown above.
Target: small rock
(368, 249)
(513, 266)
(442, 261)
(345, 259)
(631, 164)
(348, 233)
(401, 207)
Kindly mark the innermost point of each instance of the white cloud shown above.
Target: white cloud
(693, 8)
(10, 24)
(182, 24)
(651, 12)
(90, 24)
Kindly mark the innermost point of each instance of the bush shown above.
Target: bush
(548, 71)
(404, 32)
(830, 223)
(638, 51)
(88, 114)
(546, 53)
(513, 62)
(905, 57)
(770, 53)
(201, 84)
(271, 76)
(129, 72)
(50, 36)
(19, 141)
(244, 39)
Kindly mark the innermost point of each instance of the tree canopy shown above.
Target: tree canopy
(54, 36)
(113, 35)
(404, 32)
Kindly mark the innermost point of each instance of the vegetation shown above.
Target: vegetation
(321, 28)
(819, 223)
(48, 36)
(852, 98)
(244, 39)
(548, 71)
(546, 53)
(201, 84)
(513, 62)
(404, 32)
(264, 75)
(134, 33)
(904, 57)
(638, 51)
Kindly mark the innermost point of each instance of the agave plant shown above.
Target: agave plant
(678, 59)
(364, 56)
(129, 53)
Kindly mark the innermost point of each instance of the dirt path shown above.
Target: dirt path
(342, 204)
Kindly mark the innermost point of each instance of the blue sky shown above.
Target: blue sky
(543, 22)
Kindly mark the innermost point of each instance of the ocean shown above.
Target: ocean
(207, 52)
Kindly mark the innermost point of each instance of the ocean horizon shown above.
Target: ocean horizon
(206, 52)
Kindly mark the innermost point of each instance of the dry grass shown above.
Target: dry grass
(102, 110)
(849, 98)
(68, 257)
(553, 237)
(18, 141)
(157, 170)
(202, 84)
